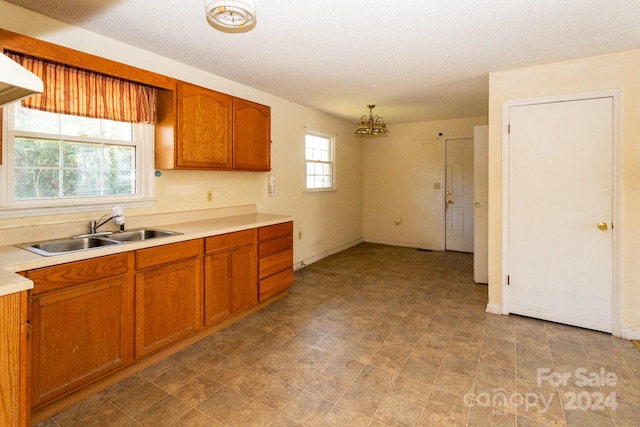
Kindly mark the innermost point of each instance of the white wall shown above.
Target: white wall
(327, 221)
(400, 170)
(613, 71)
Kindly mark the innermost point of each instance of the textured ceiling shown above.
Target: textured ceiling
(416, 59)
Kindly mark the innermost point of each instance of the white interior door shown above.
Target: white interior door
(459, 195)
(560, 200)
(481, 207)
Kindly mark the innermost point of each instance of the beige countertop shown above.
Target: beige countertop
(13, 259)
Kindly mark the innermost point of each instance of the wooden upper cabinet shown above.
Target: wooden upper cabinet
(251, 136)
(204, 128)
(198, 128)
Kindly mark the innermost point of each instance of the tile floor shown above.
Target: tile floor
(381, 336)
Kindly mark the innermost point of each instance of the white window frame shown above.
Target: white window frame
(332, 152)
(144, 194)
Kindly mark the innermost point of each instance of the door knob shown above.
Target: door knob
(449, 202)
(603, 226)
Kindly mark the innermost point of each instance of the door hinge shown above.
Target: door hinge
(508, 280)
(509, 129)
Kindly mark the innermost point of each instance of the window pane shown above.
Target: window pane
(36, 120)
(36, 152)
(32, 183)
(80, 126)
(119, 131)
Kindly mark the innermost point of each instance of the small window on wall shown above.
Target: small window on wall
(320, 164)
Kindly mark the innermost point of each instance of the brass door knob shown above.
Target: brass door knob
(603, 226)
(449, 202)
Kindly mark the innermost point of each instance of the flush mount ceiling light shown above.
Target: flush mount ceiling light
(372, 125)
(231, 14)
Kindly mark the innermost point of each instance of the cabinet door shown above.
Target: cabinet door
(13, 406)
(204, 128)
(217, 290)
(79, 334)
(244, 282)
(167, 304)
(251, 135)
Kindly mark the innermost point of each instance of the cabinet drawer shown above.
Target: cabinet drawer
(230, 240)
(272, 231)
(275, 263)
(276, 283)
(164, 254)
(91, 270)
(274, 246)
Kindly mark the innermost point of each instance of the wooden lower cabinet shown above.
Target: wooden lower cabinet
(89, 318)
(14, 409)
(230, 275)
(275, 259)
(81, 319)
(168, 294)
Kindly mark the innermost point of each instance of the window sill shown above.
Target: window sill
(319, 190)
(22, 212)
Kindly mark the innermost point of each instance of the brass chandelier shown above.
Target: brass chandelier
(372, 125)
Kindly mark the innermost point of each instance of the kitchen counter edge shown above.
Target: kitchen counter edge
(14, 259)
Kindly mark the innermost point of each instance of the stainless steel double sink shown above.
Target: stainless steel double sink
(93, 241)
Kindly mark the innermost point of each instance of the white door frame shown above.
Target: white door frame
(616, 202)
(444, 186)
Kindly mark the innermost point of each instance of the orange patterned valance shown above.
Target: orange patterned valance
(71, 90)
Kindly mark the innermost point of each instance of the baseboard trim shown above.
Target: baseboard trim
(325, 254)
(493, 308)
(629, 334)
(403, 244)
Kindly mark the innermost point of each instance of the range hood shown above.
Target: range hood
(16, 82)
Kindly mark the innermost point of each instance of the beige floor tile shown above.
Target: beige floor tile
(316, 358)
(165, 412)
(389, 362)
(252, 414)
(413, 392)
(285, 421)
(105, 415)
(222, 404)
(340, 417)
(454, 382)
(197, 390)
(298, 374)
(250, 382)
(277, 395)
(587, 419)
(174, 378)
(450, 405)
(487, 416)
(427, 354)
(137, 400)
(122, 387)
(375, 379)
(328, 387)
(397, 346)
(195, 418)
(308, 409)
(496, 375)
(418, 370)
(361, 400)
(430, 419)
(395, 411)
(345, 368)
